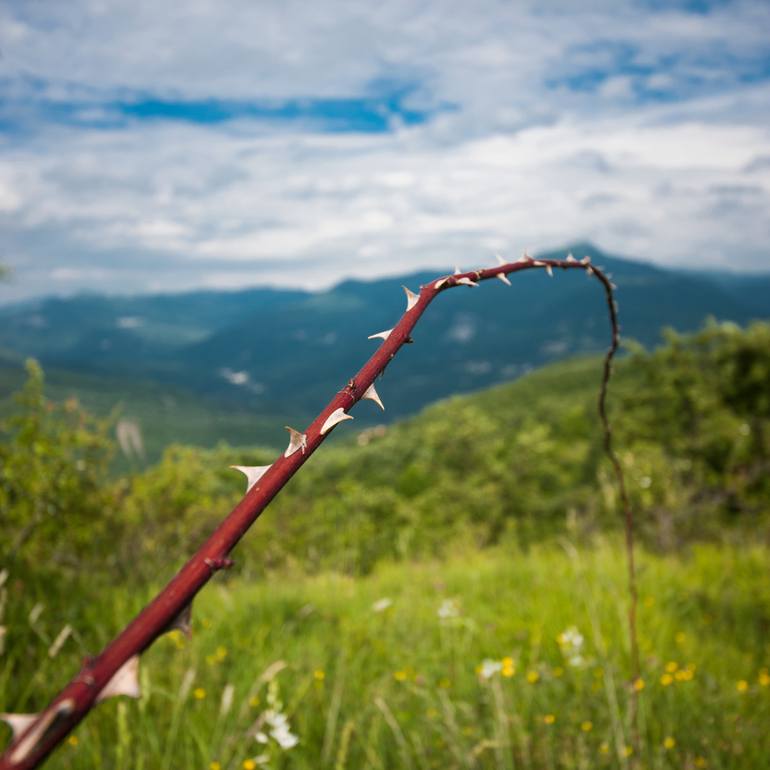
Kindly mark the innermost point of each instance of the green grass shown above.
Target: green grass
(401, 687)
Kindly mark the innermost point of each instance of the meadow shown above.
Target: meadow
(500, 659)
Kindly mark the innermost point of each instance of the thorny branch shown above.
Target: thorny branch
(115, 671)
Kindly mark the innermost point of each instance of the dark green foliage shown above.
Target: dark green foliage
(54, 495)
(520, 462)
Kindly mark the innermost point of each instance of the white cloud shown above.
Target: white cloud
(526, 159)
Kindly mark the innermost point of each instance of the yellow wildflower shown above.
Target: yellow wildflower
(639, 684)
(604, 748)
(73, 740)
(319, 675)
(249, 764)
(549, 719)
(586, 726)
(764, 678)
(701, 762)
(509, 667)
(215, 765)
(199, 693)
(666, 680)
(671, 666)
(742, 685)
(668, 743)
(628, 751)
(400, 676)
(533, 677)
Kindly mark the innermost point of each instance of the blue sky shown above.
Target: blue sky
(149, 146)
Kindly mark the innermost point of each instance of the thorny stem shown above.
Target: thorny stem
(37, 740)
(628, 514)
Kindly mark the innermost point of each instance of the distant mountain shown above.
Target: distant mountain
(274, 351)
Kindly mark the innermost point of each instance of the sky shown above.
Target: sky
(150, 145)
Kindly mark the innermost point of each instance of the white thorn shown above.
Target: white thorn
(384, 335)
(183, 621)
(465, 281)
(371, 394)
(125, 681)
(537, 263)
(549, 270)
(440, 283)
(589, 270)
(338, 415)
(297, 441)
(457, 270)
(46, 719)
(613, 287)
(18, 722)
(253, 473)
(411, 299)
(504, 278)
(586, 260)
(570, 258)
(500, 260)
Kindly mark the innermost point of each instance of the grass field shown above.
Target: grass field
(493, 659)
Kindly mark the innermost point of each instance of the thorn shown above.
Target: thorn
(337, 416)
(500, 260)
(297, 441)
(384, 335)
(18, 722)
(411, 299)
(504, 278)
(457, 270)
(45, 720)
(549, 270)
(589, 270)
(440, 283)
(221, 562)
(613, 286)
(586, 260)
(182, 622)
(371, 394)
(537, 263)
(125, 681)
(253, 473)
(465, 281)
(524, 258)
(570, 258)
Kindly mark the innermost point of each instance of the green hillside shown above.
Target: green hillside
(274, 351)
(516, 463)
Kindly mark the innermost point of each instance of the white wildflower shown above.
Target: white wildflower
(489, 668)
(382, 604)
(448, 609)
(571, 643)
(279, 729)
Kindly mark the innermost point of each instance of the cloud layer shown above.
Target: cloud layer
(158, 146)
